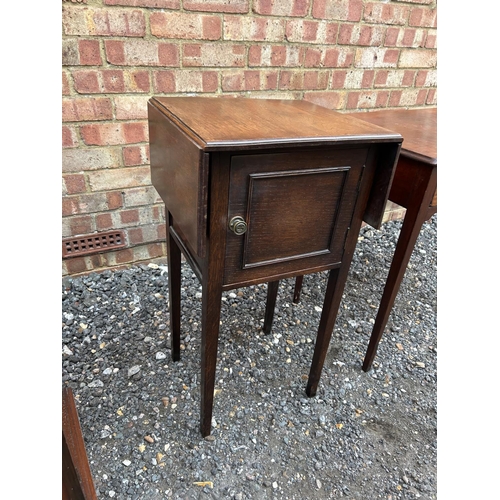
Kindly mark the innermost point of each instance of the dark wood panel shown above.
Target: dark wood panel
(417, 126)
(219, 123)
(179, 172)
(298, 208)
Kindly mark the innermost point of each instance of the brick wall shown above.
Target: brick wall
(346, 55)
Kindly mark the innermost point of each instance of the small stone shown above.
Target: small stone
(318, 484)
(149, 439)
(275, 485)
(132, 371)
(160, 355)
(126, 463)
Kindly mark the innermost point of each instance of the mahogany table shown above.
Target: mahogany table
(414, 187)
(259, 190)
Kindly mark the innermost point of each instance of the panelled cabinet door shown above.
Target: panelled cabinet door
(292, 210)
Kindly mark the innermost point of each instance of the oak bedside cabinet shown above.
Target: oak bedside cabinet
(257, 190)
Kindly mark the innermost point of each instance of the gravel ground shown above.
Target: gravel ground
(364, 436)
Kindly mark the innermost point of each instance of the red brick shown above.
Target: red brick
(123, 256)
(391, 37)
(431, 41)
(368, 78)
(114, 199)
(423, 17)
(115, 51)
(86, 82)
(156, 250)
(431, 97)
(74, 183)
(65, 84)
(164, 81)
(135, 155)
(386, 13)
(158, 4)
(161, 231)
(139, 81)
(408, 37)
(395, 98)
(113, 81)
(408, 78)
(342, 10)
(69, 137)
(103, 221)
(168, 55)
(76, 265)
(89, 52)
(129, 216)
(135, 236)
(381, 78)
(338, 79)
(81, 225)
(69, 206)
(87, 109)
(135, 132)
(229, 6)
(307, 31)
(254, 28)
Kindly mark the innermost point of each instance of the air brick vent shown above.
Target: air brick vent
(92, 243)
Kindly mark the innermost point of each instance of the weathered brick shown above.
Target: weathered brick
(103, 221)
(431, 41)
(245, 80)
(114, 199)
(157, 4)
(89, 52)
(431, 98)
(87, 109)
(185, 81)
(386, 13)
(367, 99)
(423, 17)
(230, 6)
(79, 160)
(426, 78)
(328, 99)
(73, 184)
(308, 80)
(80, 225)
(376, 57)
(214, 54)
(417, 58)
(329, 57)
(276, 55)
(69, 138)
(89, 21)
(107, 134)
(131, 107)
(359, 79)
(355, 34)
(117, 178)
(111, 81)
(141, 53)
(129, 216)
(70, 55)
(297, 8)
(66, 90)
(135, 155)
(254, 29)
(135, 236)
(181, 25)
(307, 31)
(341, 10)
(144, 195)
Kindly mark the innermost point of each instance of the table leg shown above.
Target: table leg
(174, 290)
(416, 215)
(272, 292)
(298, 288)
(331, 304)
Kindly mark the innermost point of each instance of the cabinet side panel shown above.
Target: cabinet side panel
(386, 160)
(179, 173)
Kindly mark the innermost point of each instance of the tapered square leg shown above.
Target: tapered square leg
(174, 291)
(272, 292)
(298, 288)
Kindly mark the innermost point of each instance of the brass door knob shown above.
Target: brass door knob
(238, 225)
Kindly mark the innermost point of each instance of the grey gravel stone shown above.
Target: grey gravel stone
(364, 436)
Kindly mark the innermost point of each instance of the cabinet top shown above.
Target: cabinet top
(219, 123)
